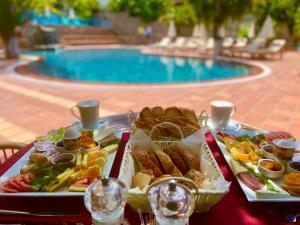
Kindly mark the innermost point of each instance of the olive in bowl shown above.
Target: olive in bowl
(294, 167)
(64, 159)
(270, 168)
(268, 151)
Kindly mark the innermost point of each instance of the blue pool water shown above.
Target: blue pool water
(130, 66)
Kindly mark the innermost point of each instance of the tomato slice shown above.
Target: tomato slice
(82, 181)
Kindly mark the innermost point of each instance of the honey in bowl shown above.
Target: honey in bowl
(271, 165)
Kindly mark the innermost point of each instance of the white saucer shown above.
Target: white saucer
(232, 125)
(101, 124)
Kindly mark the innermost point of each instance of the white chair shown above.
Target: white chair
(240, 42)
(228, 42)
(163, 42)
(275, 48)
(178, 43)
(210, 44)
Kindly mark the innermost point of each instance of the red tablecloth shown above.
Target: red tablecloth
(232, 209)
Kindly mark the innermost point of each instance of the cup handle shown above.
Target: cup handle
(233, 111)
(73, 112)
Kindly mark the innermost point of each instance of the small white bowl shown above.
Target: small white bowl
(270, 173)
(268, 151)
(59, 147)
(291, 169)
(64, 158)
(88, 150)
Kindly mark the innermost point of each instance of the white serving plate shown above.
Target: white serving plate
(15, 169)
(249, 193)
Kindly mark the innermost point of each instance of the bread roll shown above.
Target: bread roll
(190, 159)
(158, 111)
(154, 158)
(173, 112)
(176, 158)
(189, 114)
(167, 163)
(144, 161)
(141, 180)
(146, 113)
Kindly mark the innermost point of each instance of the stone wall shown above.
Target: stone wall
(127, 28)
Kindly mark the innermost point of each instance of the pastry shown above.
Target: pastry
(200, 179)
(141, 180)
(189, 114)
(173, 152)
(173, 112)
(158, 111)
(146, 113)
(190, 159)
(154, 158)
(167, 163)
(144, 161)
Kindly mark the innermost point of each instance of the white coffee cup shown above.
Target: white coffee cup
(221, 112)
(89, 113)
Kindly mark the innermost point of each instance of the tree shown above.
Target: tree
(83, 8)
(146, 10)
(215, 13)
(10, 13)
(284, 12)
(180, 13)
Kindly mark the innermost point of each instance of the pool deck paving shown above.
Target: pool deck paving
(29, 109)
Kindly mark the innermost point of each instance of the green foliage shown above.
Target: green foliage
(181, 14)
(146, 10)
(243, 30)
(10, 14)
(216, 12)
(282, 11)
(40, 5)
(85, 8)
(116, 5)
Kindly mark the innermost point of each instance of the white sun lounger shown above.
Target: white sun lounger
(275, 48)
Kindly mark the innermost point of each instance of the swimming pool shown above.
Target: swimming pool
(131, 66)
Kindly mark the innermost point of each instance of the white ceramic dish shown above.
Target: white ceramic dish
(270, 173)
(232, 125)
(101, 124)
(249, 193)
(267, 153)
(62, 149)
(88, 150)
(68, 157)
(15, 169)
(291, 169)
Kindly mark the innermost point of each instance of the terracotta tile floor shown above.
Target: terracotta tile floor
(29, 109)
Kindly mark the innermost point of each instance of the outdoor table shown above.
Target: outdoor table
(232, 209)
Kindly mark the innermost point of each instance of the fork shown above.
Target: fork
(291, 217)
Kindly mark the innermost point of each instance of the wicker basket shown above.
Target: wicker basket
(204, 198)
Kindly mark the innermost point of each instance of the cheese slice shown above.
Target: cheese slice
(263, 193)
(236, 167)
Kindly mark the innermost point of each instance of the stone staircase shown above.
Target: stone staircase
(87, 36)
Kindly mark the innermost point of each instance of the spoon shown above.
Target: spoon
(291, 217)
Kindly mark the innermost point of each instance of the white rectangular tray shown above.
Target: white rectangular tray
(15, 169)
(249, 193)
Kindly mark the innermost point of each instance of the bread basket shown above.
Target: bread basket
(204, 198)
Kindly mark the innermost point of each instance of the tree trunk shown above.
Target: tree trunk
(218, 40)
(11, 48)
(291, 34)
